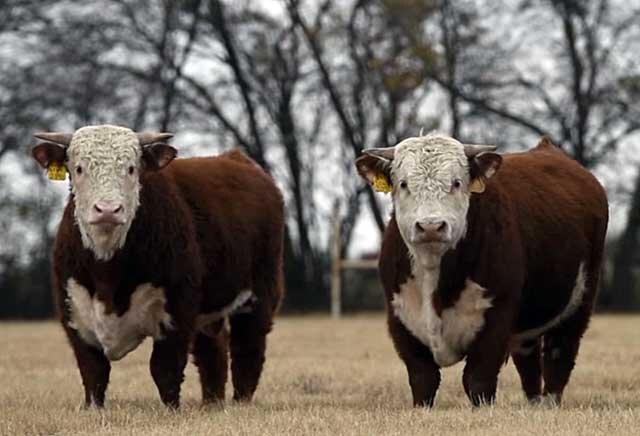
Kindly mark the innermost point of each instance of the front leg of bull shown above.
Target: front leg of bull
(94, 368)
(170, 351)
(424, 379)
(168, 360)
(423, 372)
(486, 356)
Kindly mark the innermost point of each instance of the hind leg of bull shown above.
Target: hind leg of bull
(168, 359)
(94, 369)
(527, 360)
(560, 350)
(248, 345)
(211, 358)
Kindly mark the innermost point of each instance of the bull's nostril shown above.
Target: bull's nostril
(104, 208)
(431, 230)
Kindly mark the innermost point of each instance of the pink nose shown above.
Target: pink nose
(108, 212)
(430, 231)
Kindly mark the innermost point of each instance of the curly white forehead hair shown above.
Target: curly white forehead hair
(431, 154)
(104, 143)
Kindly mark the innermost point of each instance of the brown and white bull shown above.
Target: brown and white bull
(488, 255)
(169, 249)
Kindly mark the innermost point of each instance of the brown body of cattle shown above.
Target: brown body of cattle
(207, 230)
(534, 242)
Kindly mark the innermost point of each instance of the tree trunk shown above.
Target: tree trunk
(622, 292)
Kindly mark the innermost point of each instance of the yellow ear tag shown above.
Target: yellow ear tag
(57, 171)
(381, 183)
(477, 186)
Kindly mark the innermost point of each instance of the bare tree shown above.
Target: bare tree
(352, 132)
(303, 90)
(578, 103)
(375, 94)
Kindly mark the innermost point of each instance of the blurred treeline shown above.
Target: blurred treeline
(303, 86)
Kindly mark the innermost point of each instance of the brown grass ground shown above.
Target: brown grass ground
(322, 377)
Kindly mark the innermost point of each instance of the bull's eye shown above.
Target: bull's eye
(457, 183)
(131, 170)
(78, 170)
(403, 184)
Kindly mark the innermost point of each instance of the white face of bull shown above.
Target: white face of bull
(430, 200)
(105, 164)
(433, 178)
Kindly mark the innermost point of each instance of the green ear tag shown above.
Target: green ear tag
(57, 171)
(382, 184)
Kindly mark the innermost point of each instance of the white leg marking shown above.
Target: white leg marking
(81, 308)
(464, 320)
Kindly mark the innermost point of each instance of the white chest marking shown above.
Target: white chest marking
(577, 295)
(447, 336)
(118, 335)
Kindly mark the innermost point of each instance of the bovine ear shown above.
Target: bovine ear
(369, 166)
(376, 171)
(158, 156)
(484, 165)
(47, 153)
(374, 163)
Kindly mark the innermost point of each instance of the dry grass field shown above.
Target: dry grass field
(322, 377)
